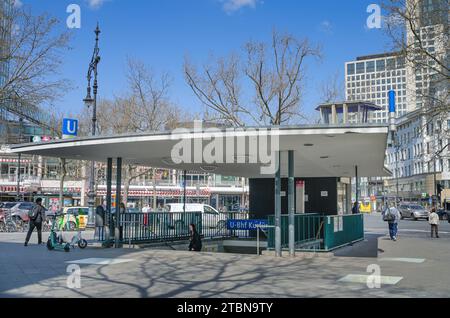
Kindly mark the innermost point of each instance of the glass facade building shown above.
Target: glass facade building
(371, 78)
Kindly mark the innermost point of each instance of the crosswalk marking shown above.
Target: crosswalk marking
(101, 261)
(403, 259)
(363, 279)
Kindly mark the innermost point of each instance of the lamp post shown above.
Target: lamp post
(90, 101)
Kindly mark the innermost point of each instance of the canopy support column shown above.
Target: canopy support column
(118, 201)
(108, 197)
(278, 206)
(291, 203)
(184, 191)
(357, 189)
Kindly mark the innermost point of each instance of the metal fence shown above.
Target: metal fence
(319, 232)
(168, 227)
(342, 230)
(308, 230)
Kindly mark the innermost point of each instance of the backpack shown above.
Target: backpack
(35, 213)
(388, 215)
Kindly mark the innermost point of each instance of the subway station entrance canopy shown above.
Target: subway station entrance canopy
(319, 151)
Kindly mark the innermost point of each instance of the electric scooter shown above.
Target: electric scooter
(78, 240)
(54, 241)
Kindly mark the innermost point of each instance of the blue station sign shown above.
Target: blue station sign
(70, 127)
(244, 225)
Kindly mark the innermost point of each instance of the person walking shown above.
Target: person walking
(392, 216)
(196, 242)
(355, 209)
(99, 222)
(434, 222)
(37, 214)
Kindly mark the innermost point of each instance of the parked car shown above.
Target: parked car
(413, 211)
(7, 206)
(21, 210)
(443, 214)
(211, 218)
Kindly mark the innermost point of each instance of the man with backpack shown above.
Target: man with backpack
(392, 216)
(37, 215)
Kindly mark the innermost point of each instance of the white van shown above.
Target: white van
(211, 218)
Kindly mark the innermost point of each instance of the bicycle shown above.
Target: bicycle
(9, 224)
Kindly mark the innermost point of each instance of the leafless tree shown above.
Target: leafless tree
(274, 72)
(144, 107)
(32, 49)
(332, 89)
(421, 35)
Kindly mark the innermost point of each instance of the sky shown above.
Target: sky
(162, 32)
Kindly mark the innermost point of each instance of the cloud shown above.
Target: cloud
(95, 4)
(326, 27)
(230, 6)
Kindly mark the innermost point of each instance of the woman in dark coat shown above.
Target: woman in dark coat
(196, 242)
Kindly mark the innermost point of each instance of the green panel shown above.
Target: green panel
(351, 230)
(307, 228)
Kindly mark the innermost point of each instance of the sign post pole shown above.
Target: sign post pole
(291, 203)
(278, 252)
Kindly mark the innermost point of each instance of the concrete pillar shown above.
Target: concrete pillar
(345, 110)
(333, 115)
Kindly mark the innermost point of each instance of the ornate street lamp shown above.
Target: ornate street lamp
(91, 102)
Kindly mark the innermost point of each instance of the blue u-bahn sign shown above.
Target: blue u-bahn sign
(70, 128)
(244, 225)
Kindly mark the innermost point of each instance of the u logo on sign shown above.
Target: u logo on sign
(70, 127)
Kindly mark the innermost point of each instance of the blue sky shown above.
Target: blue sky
(163, 32)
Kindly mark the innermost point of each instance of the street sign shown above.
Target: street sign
(244, 225)
(69, 128)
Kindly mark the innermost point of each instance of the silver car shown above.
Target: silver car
(413, 211)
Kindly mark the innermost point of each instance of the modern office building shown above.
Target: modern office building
(370, 78)
(427, 82)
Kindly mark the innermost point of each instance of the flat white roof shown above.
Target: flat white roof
(319, 151)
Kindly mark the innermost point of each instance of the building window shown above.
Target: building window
(360, 68)
(351, 69)
(370, 67)
(391, 64)
(381, 66)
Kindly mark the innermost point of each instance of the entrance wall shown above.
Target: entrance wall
(262, 193)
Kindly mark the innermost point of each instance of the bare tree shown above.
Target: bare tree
(274, 72)
(144, 107)
(332, 89)
(420, 32)
(32, 50)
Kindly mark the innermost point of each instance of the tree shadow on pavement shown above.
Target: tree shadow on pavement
(367, 248)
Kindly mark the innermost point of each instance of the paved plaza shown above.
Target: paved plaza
(415, 266)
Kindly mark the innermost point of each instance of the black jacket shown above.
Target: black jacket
(196, 243)
(99, 216)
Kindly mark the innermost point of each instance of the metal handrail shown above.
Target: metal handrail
(258, 228)
(129, 230)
